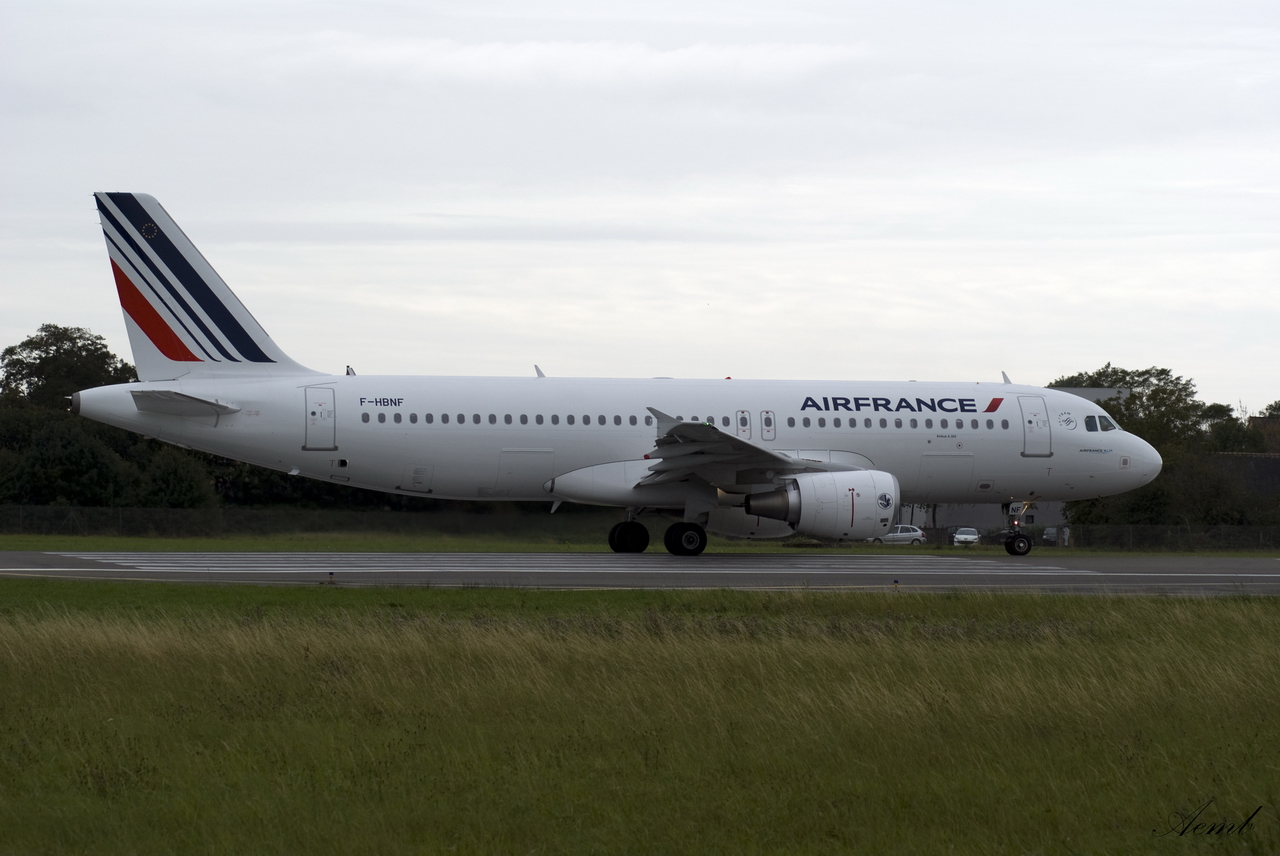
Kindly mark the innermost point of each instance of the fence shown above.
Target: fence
(215, 522)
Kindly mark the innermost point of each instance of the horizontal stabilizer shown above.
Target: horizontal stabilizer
(179, 404)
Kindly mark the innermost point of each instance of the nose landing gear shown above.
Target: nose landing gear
(1017, 543)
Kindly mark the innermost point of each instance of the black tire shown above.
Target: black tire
(614, 544)
(1018, 545)
(685, 539)
(916, 542)
(876, 541)
(631, 537)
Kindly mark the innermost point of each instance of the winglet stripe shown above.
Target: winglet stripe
(149, 321)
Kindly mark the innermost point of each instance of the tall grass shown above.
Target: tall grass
(566, 722)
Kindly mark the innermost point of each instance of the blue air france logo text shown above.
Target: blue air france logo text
(934, 405)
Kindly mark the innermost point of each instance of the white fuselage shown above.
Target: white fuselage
(508, 438)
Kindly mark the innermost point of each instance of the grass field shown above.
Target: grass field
(147, 718)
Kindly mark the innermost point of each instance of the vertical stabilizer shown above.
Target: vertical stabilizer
(182, 318)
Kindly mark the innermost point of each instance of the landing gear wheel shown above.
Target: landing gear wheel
(1017, 545)
(629, 537)
(685, 539)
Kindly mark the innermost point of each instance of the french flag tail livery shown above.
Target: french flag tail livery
(183, 320)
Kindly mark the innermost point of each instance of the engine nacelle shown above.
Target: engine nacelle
(853, 506)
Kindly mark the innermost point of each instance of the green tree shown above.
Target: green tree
(45, 368)
(1272, 409)
(175, 479)
(66, 465)
(1161, 407)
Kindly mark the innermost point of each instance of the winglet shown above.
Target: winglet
(1006, 377)
(538, 370)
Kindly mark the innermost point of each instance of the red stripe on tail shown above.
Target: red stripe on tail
(149, 320)
(994, 405)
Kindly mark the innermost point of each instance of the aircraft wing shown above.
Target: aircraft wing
(685, 449)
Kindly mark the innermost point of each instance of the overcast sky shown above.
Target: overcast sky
(932, 191)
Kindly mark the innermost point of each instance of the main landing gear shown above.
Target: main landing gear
(681, 539)
(629, 537)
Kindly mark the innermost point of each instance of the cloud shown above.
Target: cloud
(582, 64)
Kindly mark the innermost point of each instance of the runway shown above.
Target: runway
(1049, 571)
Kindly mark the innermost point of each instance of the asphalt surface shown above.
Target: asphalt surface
(1043, 570)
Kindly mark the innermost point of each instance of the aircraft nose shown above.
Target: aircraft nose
(1149, 461)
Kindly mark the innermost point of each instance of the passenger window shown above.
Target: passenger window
(382, 417)
(364, 417)
(742, 422)
(1107, 424)
(555, 419)
(791, 422)
(444, 418)
(538, 419)
(724, 422)
(835, 423)
(633, 420)
(648, 420)
(897, 423)
(973, 423)
(586, 420)
(617, 420)
(990, 424)
(822, 423)
(884, 423)
(914, 423)
(866, 423)
(603, 421)
(928, 423)
(475, 418)
(493, 419)
(507, 419)
(524, 418)
(1004, 423)
(942, 423)
(462, 418)
(429, 418)
(805, 422)
(1091, 423)
(396, 418)
(568, 418)
(413, 418)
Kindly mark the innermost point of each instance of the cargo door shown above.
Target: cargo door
(945, 478)
(523, 472)
(321, 433)
(1037, 440)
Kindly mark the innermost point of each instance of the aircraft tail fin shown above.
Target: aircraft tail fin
(182, 318)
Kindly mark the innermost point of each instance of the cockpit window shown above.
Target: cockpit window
(1107, 424)
(1091, 423)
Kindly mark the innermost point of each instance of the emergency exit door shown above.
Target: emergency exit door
(1037, 440)
(321, 433)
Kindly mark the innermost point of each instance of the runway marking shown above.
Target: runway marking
(552, 563)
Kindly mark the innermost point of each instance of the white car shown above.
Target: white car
(965, 537)
(901, 534)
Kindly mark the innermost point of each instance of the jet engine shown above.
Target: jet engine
(847, 505)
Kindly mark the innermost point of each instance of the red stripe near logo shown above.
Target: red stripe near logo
(994, 405)
(149, 320)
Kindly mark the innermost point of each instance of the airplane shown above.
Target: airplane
(744, 458)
